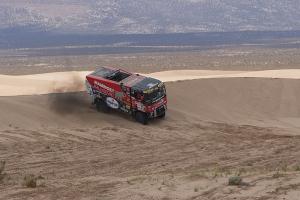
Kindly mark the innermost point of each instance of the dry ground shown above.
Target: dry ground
(235, 58)
(215, 129)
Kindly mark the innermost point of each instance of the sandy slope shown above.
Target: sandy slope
(216, 126)
(214, 129)
(73, 81)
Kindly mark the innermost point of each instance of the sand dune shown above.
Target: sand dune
(257, 101)
(213, 129)
(216, 125)
(74, 81)
(169, 76)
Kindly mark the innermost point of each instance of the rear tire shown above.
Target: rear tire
(141, 118)
(101, 106)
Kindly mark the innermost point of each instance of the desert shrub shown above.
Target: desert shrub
(277, 175)
(235, 180)
(30, 181)
(2, 167)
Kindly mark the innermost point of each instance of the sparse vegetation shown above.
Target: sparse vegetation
(134, 180)
(277, 175)
(241, 171)
(30, 180)
(129, 182)
(198, 175)
(220, 172)
(297, 168)
(2, 167)
(235, 180)
(284, 167)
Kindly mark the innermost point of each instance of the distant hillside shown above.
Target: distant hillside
(149, 16)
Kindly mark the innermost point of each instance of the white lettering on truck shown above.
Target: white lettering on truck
(103, 86)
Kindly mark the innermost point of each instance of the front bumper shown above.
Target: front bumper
(158, 112)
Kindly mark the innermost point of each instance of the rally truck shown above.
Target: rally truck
(142, 97)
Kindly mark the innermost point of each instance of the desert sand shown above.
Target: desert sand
(219, 124)
(59, 82)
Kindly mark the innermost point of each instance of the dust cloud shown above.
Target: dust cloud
(64, 102)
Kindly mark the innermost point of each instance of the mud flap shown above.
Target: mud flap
(90, 91)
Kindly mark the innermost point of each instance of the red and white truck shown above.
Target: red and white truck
(142, 97)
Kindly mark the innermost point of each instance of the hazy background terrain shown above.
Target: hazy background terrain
(113, 26)
(31, 30)
(155, 16)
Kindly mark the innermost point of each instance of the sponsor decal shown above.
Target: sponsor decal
(119, 95)
(140, 106)
(103, 86)
(112, 103)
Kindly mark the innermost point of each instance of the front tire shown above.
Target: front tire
(163, 116)
(141, 118)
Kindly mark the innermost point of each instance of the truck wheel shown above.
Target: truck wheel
(162, 116)
(101, 106)
(141, 118)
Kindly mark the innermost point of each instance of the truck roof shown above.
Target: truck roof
(129, 79)
(106, 72)
(141, 82)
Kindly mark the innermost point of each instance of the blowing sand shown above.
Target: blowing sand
(219, 124)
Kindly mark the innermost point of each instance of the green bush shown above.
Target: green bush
(30, 181)
(235, 180)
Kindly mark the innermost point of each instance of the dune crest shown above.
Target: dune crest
(60, 82)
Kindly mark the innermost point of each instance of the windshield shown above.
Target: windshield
(154, 94)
